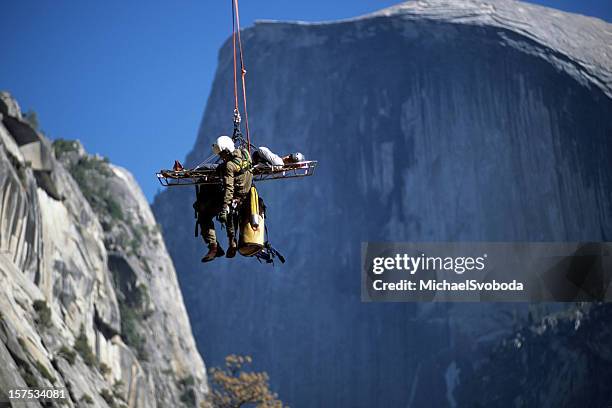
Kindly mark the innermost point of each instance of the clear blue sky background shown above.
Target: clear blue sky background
(130, 79)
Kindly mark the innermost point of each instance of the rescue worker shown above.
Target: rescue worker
(236, 177)
(208, 204)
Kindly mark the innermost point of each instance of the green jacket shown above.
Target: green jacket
(237, 176)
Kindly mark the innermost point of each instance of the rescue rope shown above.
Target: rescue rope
(236, 35)
(208, 160)
(234, 47)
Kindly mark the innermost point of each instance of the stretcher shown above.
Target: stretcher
(261, 172)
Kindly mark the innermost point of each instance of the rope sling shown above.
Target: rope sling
(237, 136)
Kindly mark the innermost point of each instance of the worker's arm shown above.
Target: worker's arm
(228, 184)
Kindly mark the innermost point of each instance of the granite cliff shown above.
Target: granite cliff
(89, 299)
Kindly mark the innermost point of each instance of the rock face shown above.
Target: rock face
(432, 120)
(562, 356)
(89, 298)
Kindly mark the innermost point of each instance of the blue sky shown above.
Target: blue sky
(130, 79)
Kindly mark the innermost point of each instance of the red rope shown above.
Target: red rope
(234, 46)
(236, 27)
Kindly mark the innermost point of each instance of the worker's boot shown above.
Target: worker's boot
(214, 251)
(231, 250)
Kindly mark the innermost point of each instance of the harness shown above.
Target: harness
(243, 162)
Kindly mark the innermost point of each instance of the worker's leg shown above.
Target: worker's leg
(207, 226)
(208, 229)
(232, 224)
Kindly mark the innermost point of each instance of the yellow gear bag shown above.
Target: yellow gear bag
(252, 227)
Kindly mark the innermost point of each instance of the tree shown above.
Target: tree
(232, 387)
(32, 118)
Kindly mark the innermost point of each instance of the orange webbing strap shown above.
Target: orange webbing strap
(242, 70)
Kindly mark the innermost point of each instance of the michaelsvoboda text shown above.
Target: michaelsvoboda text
(443, 285)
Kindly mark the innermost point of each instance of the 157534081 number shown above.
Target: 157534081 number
(37, 393)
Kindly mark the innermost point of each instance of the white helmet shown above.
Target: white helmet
(297, 157)
(224, 143)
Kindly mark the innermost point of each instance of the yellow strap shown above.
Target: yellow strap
(254, 201)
